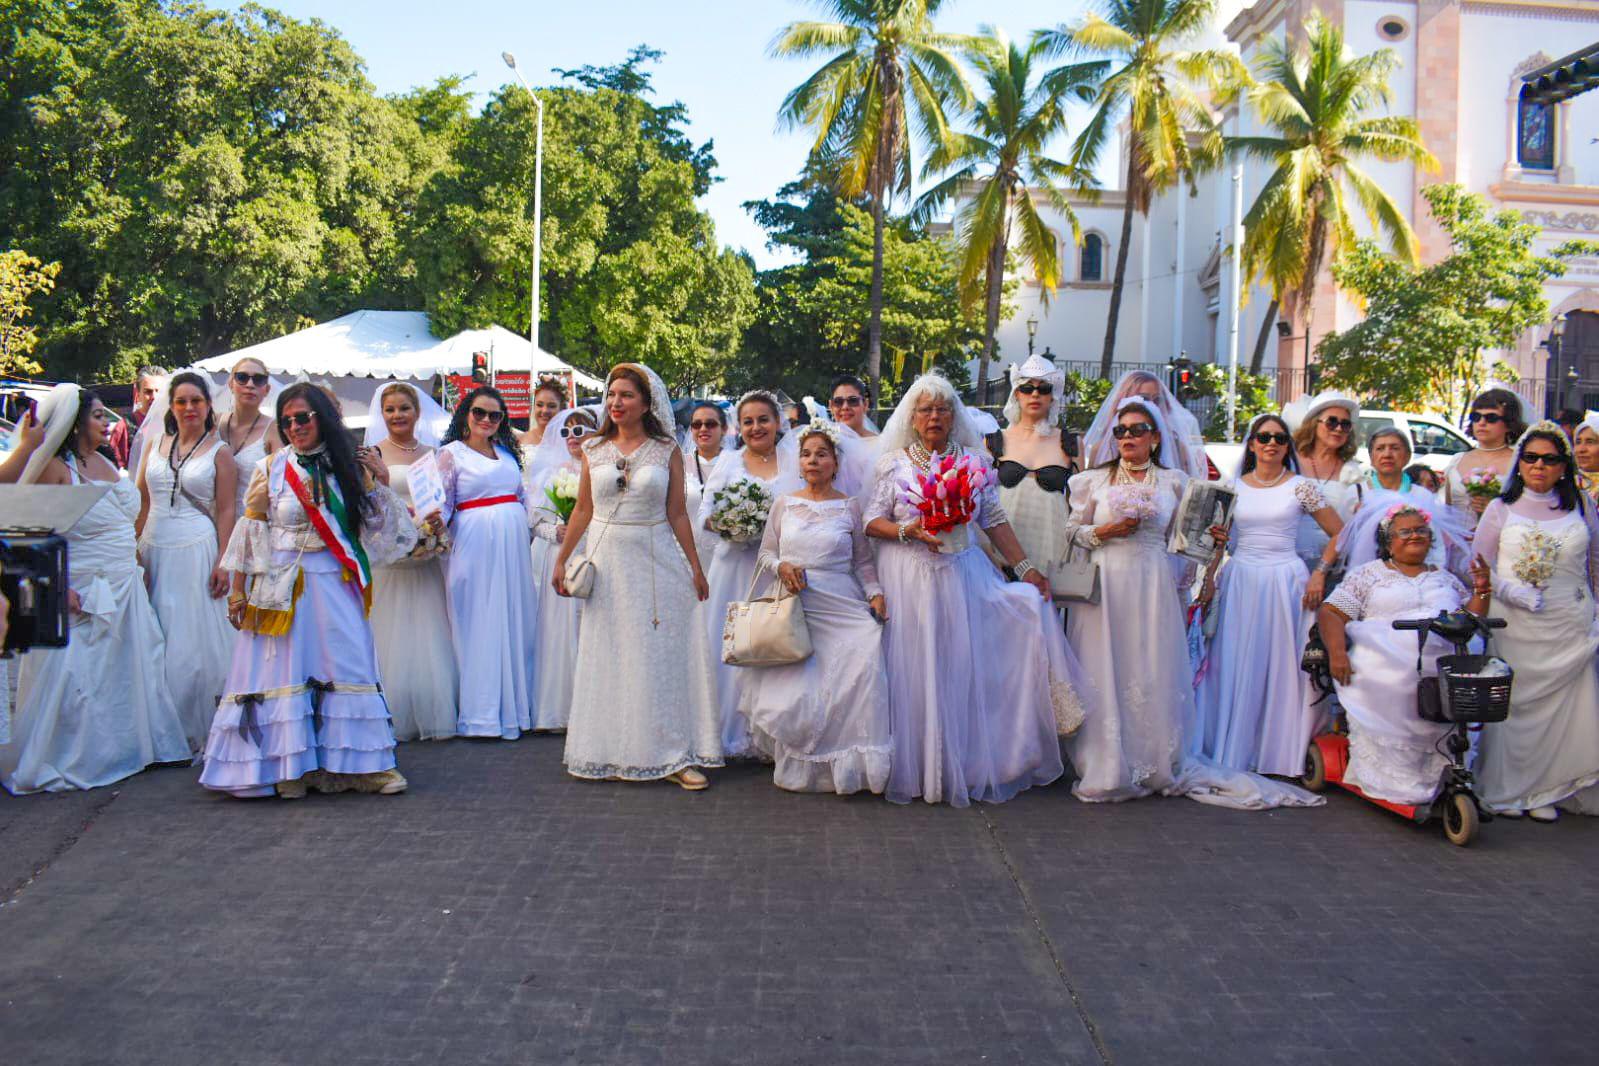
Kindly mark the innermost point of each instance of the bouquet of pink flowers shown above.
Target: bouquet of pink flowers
(1133, 501)
(1482, 483)
(946, 495)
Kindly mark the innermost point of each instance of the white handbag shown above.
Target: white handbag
(766, 631)
(1075, 579)
(578, 577)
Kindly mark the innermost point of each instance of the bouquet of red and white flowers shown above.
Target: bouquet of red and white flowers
(1483, 483)
(945, 495)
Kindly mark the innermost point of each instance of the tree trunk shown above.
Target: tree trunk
(1109, 354)
(1258, 360)
(874, 328)
(991, 301)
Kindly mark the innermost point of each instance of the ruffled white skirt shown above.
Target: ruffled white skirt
(199, 637)
(416, 659)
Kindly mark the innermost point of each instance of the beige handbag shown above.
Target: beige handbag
(769, 631)
(579, 573)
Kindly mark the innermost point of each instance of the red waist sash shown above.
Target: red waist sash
(484, 501)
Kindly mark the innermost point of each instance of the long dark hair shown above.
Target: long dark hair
(1154, 449)
(502, 435)
(1290, 460)
(1508, 404)
(169, 421)
(853, 382)
(338, 446)
(1567, 495)
(652, 425)
(69, 445)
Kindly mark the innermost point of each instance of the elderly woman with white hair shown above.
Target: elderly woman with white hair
(981, 680)
(1031, 459)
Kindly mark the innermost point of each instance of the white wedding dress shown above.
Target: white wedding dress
(179, 551)
(643, 704)
(559, 617)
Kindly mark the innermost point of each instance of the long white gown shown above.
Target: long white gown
(96, 711)
(823, 722)
(411, 633)
(559, 618)
(179, 551)
(981, 681)
(1547, 751)
(728, 573)
(644, 704)
(696, 472)
(309, 698)
(489, 586)
(1255, 707)
(1394, 753)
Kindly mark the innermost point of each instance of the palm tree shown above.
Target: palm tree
(885, 63)
(1314, 97)
(1022, 109)
(1154, 86)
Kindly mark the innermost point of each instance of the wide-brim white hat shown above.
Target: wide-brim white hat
(1305, 409)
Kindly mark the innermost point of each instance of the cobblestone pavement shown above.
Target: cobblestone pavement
(503, 913)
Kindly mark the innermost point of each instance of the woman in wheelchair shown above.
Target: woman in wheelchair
(1394, 754)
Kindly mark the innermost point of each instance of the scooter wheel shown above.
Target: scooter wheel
(1315, 776)
(1460, 819)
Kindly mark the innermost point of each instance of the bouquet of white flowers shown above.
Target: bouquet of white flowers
(1133, 501)
(739, 511)
(562, 493)
(1535, 562)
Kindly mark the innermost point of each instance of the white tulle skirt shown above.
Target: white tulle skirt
(416, 659)
(555, 657)
(199, 637)
(729, 578)
(1255, 705)
(262, 735)
(824, 722)
(1394, 753)
(980, 679)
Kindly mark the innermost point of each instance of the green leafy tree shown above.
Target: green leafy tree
(1001, 165)
(1254, 398)
(1153, 87)
(1316, 96)
(22, 277)
(885, 64)
(1427, 329)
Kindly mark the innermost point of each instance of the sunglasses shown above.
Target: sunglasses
(299, 418)
(1137, 430)
(244, 377)
(1043, 388)
(1492, 418)
(483, 414)
(574, 432)
(847, 401)
(1266, 436)
(1335, 423)
(1543, 459)
(621, 475)
(709, 423)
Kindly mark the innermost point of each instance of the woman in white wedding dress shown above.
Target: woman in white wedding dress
(97, 710)
(707, 434)
(1542, 540)
(1325, 445)
(488, 578)
(410, 617)
(1495, 422)
(244, 421)
(849, 403)
(824, 721)
(766, 458)
(184, 474)
(644, 703)
(559, 617)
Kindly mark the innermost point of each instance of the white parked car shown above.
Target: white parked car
(1434, 441)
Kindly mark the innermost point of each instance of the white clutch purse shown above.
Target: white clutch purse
(766, 631)
(579, 577)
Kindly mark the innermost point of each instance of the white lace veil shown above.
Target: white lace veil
(551, 453)
(1165, 456)
(1451, 536)
(852, 468)
(898, 434)
(1182, 445)
(660, 399)
(432, 420)
(57, 412)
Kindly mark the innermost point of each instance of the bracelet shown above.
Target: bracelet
(903, 526)
(1023, 568)
(1324, 567)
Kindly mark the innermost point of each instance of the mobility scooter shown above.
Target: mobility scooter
(1468, 692)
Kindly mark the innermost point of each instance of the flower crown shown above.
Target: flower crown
(1403, 509)
(1549, 428)
(820, 428)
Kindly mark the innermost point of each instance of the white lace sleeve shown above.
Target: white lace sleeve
(1457, 586)
(864, 558)
(1486, 541)
(387, 532)
(1352, 592)
(1309, 496)
(1080, 517)
(770, 553)
(885, 489)
(990, 512)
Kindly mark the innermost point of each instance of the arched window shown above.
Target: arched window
(1535, 134)
(1092, 260)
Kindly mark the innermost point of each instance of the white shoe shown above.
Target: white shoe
(1544, 814)
(1509, 812)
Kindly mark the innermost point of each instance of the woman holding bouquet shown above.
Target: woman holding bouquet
(1541, 539)
(824, 721)
(488, 579)
(410, 615)
(1254, 707)
(557, 465)
(1474, 478)
(981, 681)
(643, 704)
(734, 506)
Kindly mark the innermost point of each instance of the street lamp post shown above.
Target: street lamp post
(538, 218)
(1557, 332)
(1032, 333)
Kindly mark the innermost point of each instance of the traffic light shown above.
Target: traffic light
(480, 367)
(1183, 384)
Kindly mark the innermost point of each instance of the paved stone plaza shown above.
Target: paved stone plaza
(503, 913)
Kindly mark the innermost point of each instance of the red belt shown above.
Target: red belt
(486, 501)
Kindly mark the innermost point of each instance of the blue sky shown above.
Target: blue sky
(715, 63)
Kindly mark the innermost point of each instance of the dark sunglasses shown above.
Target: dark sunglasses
(1492, 418)
(299, 418)
(483, 414)
(1543, 459)
(244, 377)
(709, 423)
(847, 401)
(1136, 430)
(621, 475)
(579, 430)
(1266, 436)
(1043, 388)
(1336, 423)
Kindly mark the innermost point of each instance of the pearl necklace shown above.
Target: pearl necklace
(1126, 470)
(1278, 480)
(920, 455)
(1502, 447)
(415, 444)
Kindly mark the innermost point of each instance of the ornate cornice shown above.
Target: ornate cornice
(1529, 192)
(1568, 222)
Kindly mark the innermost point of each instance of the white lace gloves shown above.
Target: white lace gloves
(1518, 593)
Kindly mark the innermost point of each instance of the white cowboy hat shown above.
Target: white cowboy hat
(1305, 409)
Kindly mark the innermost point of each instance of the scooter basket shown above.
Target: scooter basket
(1469, 688)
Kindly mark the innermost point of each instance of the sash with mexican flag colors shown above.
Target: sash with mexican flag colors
(330, 514)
